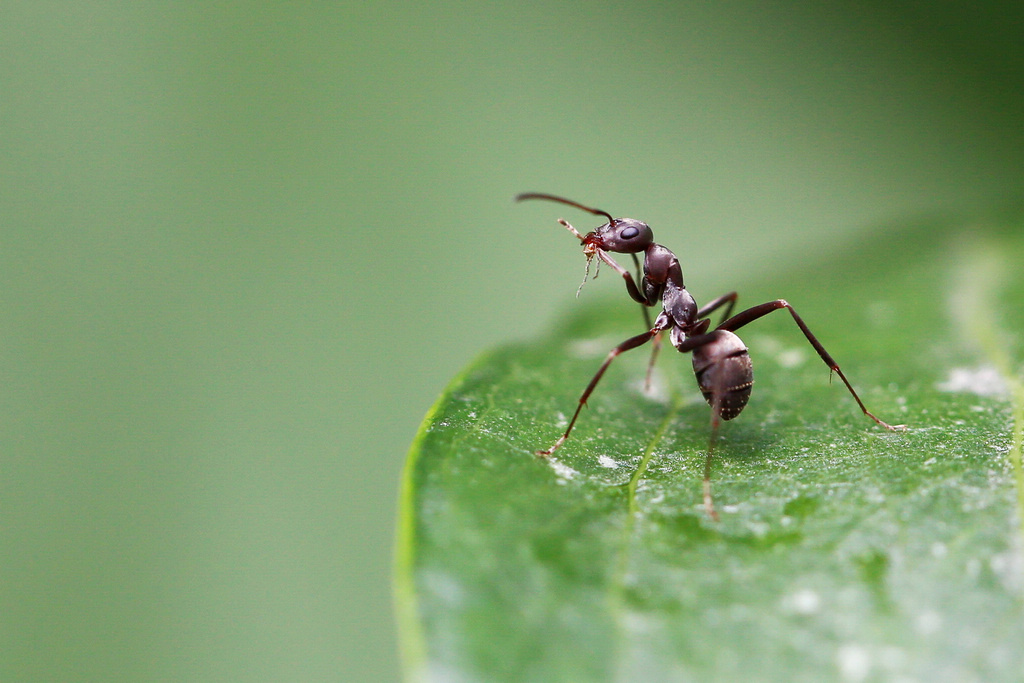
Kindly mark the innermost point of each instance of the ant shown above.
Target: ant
(721, 362)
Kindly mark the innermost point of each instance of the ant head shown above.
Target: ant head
(622, 236)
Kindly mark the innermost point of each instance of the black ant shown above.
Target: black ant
(721, 363)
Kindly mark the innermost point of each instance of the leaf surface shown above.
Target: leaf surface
(844, 552)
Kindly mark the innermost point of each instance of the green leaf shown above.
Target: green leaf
(844, 552)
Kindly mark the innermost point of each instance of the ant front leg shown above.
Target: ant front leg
(630, 343)
(634, 293)
(631, 287)
(752, 314)
(656, 346)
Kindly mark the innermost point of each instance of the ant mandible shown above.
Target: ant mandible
(721, 362)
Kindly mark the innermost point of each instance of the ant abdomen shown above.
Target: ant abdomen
(723, 368)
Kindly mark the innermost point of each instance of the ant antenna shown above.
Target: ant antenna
(563, 200)
(589, 249)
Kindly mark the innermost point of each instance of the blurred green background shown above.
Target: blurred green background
(244, 246)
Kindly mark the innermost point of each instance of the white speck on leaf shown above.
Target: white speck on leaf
(592, 348)
(563, 471)
(658, 391)
(881, 314)
(928, 622)
(804, 601)
(854, 662)
(444, 587)
(791, 358)
(983, 381)
(1009, 567)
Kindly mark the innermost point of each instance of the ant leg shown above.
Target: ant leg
(718, 393)
(639, 271)
(716, 420)
(654, 350)
(752, 314)
(713, 305)
(647, 324)
(631, 288)
(630, 343)
(650, 364)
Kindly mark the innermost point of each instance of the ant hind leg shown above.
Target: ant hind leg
(752, 314)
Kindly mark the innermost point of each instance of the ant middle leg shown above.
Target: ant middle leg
(727, 300)
(655, 347)
(631, 343)
(752, 314)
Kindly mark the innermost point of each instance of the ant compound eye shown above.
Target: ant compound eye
(629, 233)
